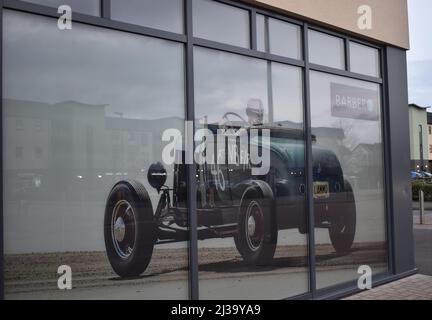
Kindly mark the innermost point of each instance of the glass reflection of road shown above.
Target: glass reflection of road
(91, 269)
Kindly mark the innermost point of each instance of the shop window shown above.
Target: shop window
(87, 185)
(159, 14)
(220, 22)
(91, 7)
(364, 60)
(284, 39)
(326, 50)
(278, 37)
(267, 236)
(347, 129)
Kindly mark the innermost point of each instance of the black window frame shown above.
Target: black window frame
(190, 42)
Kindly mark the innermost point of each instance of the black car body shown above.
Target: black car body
(231, 202)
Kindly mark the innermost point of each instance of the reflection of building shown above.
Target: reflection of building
(72, 142)
(331, 138)
(364, 166)
(419, 143)
(429, 133)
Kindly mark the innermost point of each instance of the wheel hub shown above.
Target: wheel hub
(123, 226)
(251, 226)
(119, 229)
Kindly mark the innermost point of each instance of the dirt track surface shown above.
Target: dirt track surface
(32, 273)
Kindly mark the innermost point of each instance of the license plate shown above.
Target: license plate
(321, 190)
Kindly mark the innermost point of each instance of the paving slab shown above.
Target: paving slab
(417, 287)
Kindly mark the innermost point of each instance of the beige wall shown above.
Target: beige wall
(390, 17)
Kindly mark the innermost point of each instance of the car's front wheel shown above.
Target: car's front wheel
(256, 236)
(129, 229)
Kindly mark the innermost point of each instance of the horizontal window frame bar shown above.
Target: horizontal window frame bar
(327, 32)
(344, 35)
(209, 44)
(248, 6)
(95, 21)
(99, 21)
(344, 73)
(364, 43)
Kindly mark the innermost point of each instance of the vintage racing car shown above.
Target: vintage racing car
(231, 202)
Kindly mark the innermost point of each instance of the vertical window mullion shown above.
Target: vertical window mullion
(1, 161)
(266, 34)
(253, 29)
(191, 168)
(309, 163)
(106, 9)
(347, 55)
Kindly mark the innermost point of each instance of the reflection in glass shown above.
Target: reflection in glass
(261, 30)
(252, 224)
(84, 110)
(284, 39)
(326, 50)
(364, 60)
(91, 7)
(348, 178)
(220, 22)
(159, 14)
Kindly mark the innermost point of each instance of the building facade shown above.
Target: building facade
(420, 133)
(109, 172)
(429, 132)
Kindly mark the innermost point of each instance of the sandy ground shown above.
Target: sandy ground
(35, 275)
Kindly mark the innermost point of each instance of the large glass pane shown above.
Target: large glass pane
(284, 39)
(348, 174)
(159, 14)
(251, 214)
(364, 60)
(91, 7)
(326, 50)
(85, 110)
(220, 22)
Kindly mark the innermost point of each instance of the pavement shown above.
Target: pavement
(417, 287)
(223, 274)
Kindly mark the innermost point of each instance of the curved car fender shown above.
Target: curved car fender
(261, 186)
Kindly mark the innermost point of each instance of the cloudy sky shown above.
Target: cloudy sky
(420, 55)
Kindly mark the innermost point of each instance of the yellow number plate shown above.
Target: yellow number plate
(321, 190)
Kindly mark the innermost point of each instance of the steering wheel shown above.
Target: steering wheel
(228, 121)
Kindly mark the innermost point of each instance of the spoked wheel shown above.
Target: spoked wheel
(256, 236)
(130, 231)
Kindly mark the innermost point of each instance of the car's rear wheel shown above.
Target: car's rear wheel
(343, 228)
(256, 236)
(129, 229)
